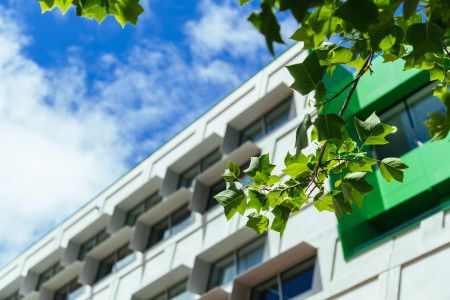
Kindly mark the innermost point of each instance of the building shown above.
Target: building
(156, 234)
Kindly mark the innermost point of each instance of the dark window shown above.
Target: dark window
(92, 243)
(408, 116)
(134, 213)
(187, 177)
(170, 225)
(239, 261)
(47, 274)
(177, 292)
(114, 262)
(287, 285)
(267, 123)
(14, 296)
(69, 292)
(214, 190)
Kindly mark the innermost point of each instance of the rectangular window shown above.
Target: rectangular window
(187, 177)
(47, 274)
(408, 116)
(241, 260)
(92, 243)
(214, 190)
(268, 122)
(170, 225)
(114, 262)
(70, 291)
(177, 292)
(287, 285)
(134, 213)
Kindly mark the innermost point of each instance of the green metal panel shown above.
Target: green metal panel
(391, 207)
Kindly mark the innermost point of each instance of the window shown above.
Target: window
(115, 262)
(242, 259)
(170, 225)
(287, 285)
(214, 190)
(70, 291)
(408, 116)
(47, 274)
(92, 243)
(14, 296)
(269, 122)
(177, 292)
(134, 213)
(187, 177)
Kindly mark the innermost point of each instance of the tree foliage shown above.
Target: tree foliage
(350, 33)
(122, 10)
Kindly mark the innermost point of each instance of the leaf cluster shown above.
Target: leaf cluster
(122, 10)
(272, 198)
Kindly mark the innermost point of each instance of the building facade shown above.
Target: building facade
(157, 234)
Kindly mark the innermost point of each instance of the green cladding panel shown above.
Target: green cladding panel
(391, 207)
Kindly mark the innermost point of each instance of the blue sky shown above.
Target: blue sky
(80, 103)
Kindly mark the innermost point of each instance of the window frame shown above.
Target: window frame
(263, 123)
(199, 166)
(235, 254)
(115, 258)
(304, 266)
(97, 239)
(68, 288)
(54, 269)
(169, 220)
(166, 294)
(148, 203)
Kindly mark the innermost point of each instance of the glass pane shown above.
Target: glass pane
(187, 177)
(267, 291)
(134, 213)
(101, 236)
(215, 189)
(180, 220)
(179, 292)
(60, 295)
(106, 267)
(419, 113)
(297, 280)
(252, 133)
(159, 232)
(152, 201)
(76, 293)
(278, 116)
(403, 140)
(223, 271)
(251, 255)
(210, 159)
(124, 261)
(161, 296)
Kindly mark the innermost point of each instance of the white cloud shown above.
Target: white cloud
(223, 28)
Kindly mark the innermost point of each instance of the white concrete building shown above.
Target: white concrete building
(154, 234)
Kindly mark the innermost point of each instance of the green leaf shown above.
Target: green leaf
(298, 8)
(372, 131)
(296, 169)
(266, 23)
(438, 126)
(425, 37)
(359, 13)
(128, 11)
(260, 164)
(392, 168)
(63, 5)
(329, 126)
(301, 135)
(232, 172)
(363, 165)
(325, 203)
(354, 187)
(281, 214)
(258, 222)
(307, 75)
(242, 2)
(341, 205)
(257, 201)
(232, 199)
